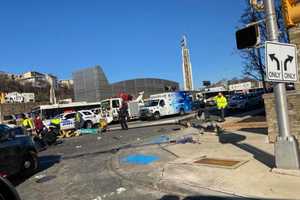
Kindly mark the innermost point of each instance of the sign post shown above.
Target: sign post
(279, 69)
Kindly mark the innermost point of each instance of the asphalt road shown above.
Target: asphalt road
(79, 168)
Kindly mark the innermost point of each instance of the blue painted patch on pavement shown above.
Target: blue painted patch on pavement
(160, 139)
(139, 159)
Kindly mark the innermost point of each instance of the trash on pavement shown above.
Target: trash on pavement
(92, 131)
(99, 138)
(160, 139)
(120, 190)
(187, 139)
(98, 198)
(44, 178)
(78, 146)
(40, 176)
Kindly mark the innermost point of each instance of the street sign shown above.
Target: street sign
(281, 62)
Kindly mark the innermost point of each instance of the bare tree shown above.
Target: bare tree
(253, 59)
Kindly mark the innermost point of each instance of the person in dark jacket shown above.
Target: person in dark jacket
(123, 115)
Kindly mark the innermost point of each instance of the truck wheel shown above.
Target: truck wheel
(88, 124)
(181, 112)
(156, 116)
(29, 165)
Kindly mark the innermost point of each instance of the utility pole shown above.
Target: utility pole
(52, 89)
(286, 147)
(186, 66)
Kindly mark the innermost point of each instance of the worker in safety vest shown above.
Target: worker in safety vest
(27, 124)
(221, 102)
(55, 122)
(79, 122)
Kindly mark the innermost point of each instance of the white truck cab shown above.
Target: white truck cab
(110, 109)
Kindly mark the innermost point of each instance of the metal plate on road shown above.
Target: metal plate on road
(281, 62)
(223, 163)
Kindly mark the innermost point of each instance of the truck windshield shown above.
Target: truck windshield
(151, 103)
(115, 103)
(105, 105)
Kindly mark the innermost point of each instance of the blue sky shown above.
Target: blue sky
(127, 38)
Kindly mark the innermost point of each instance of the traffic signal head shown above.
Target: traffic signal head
(291, 12)
(247, 37)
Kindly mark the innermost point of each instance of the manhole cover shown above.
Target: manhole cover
(220, 162)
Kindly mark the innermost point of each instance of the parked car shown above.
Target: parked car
(245, 101)
(9, 119)
(18, 153)
(67, 120)
(210, 102)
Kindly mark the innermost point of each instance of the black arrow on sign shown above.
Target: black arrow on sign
(272, 56)
(289, 59)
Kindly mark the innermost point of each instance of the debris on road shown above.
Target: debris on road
(120, 190)
(160, 139)
(92, 131)
(99, 138)
(78, 146)
(44, 178)
(40, 176)
(98, 198)
(185, 139)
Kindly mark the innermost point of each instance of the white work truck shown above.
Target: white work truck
(110, 109)
(164, 104)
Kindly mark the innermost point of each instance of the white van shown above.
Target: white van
(165, 104)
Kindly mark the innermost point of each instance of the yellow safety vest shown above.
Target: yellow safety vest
(27, 123)
(221, 102)
(55, 121)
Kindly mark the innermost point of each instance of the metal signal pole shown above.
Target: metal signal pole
(286, 147)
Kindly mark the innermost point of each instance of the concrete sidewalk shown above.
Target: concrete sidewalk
(252, 177)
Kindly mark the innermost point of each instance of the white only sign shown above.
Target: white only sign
(281, 62)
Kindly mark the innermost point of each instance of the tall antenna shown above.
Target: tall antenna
(186, 65)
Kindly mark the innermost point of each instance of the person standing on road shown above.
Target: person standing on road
(26, 122)
(221, 102)
(79, 122)
(38, 124)
(39, 129)
(123, 115)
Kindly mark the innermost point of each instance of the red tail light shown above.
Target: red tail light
(3, 174)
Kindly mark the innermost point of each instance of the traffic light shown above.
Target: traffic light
(247, 37)
(291, 12)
